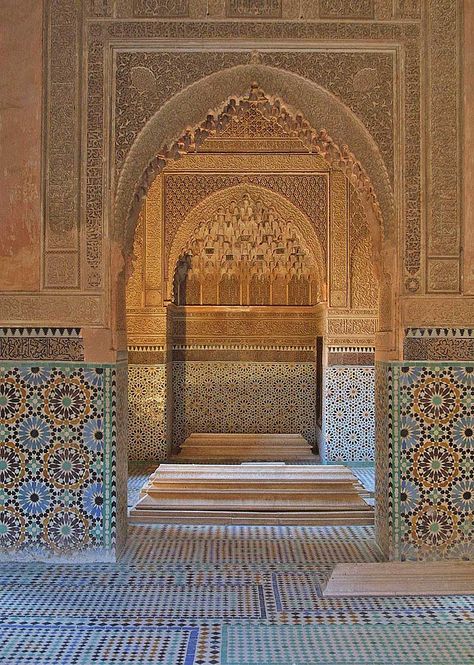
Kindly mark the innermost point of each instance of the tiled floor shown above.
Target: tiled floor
(215, 595)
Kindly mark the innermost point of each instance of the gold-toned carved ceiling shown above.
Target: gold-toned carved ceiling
(247, 253)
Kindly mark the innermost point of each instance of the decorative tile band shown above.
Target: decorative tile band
(40, 332)
(439, 344)
(58, 461)
(458, 333)
(147, 357)
(27, 344)
(244, 355)
(351, 358)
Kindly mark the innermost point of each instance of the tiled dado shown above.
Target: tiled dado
(425, 484)
(348, 414)
(147, 412)
(224, 396)
(62, 469)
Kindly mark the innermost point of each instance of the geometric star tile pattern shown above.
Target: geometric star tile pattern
(147, 412)
(223, 595)
(57, 458)
(222, 396)
(348, 414)
(430, 439)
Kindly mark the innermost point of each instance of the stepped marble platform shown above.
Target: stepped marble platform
(212, 447)
(253, 494)
(394, 578)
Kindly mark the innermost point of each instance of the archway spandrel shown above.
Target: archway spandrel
(323, 110)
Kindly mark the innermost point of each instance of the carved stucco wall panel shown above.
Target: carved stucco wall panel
(323, 106)
(403, 36)
(255, 9)
(444, 200)
(145, 81)
(210, 206)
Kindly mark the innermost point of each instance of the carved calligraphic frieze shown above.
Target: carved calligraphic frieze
(253, 8)
(338, 233)
(346, 9)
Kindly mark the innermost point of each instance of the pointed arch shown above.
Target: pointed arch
(303, 107)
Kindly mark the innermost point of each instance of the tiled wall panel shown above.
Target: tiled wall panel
(430, 440)
(59, 432)
(147, 412)
(244, 397)
(348, 414)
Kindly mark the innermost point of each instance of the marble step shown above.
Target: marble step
(241, 447)
(245, 436)
(407, 578)
(249, 472)
(268, 518)
(190, 458)
(253, 493)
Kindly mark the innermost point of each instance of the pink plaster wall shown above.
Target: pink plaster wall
(20, 143)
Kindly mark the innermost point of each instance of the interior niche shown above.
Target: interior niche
(246, 253)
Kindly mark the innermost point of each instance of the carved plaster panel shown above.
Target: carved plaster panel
(43, 309)
(444, 199)
(135, 288)
(443, 275)
(438, 311)
(253, 8)
(405, 33)
(160, 8)
(338, 239)
(346, 9)
(409, 9)
(62, 140)
(246, 253)
(153, 248)
(144, 81)
(184, 191)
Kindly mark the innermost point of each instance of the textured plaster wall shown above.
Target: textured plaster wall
(20, 143)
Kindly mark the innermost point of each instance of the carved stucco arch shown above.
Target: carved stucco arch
(162, 140)
(208, 207)
(163, 136)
